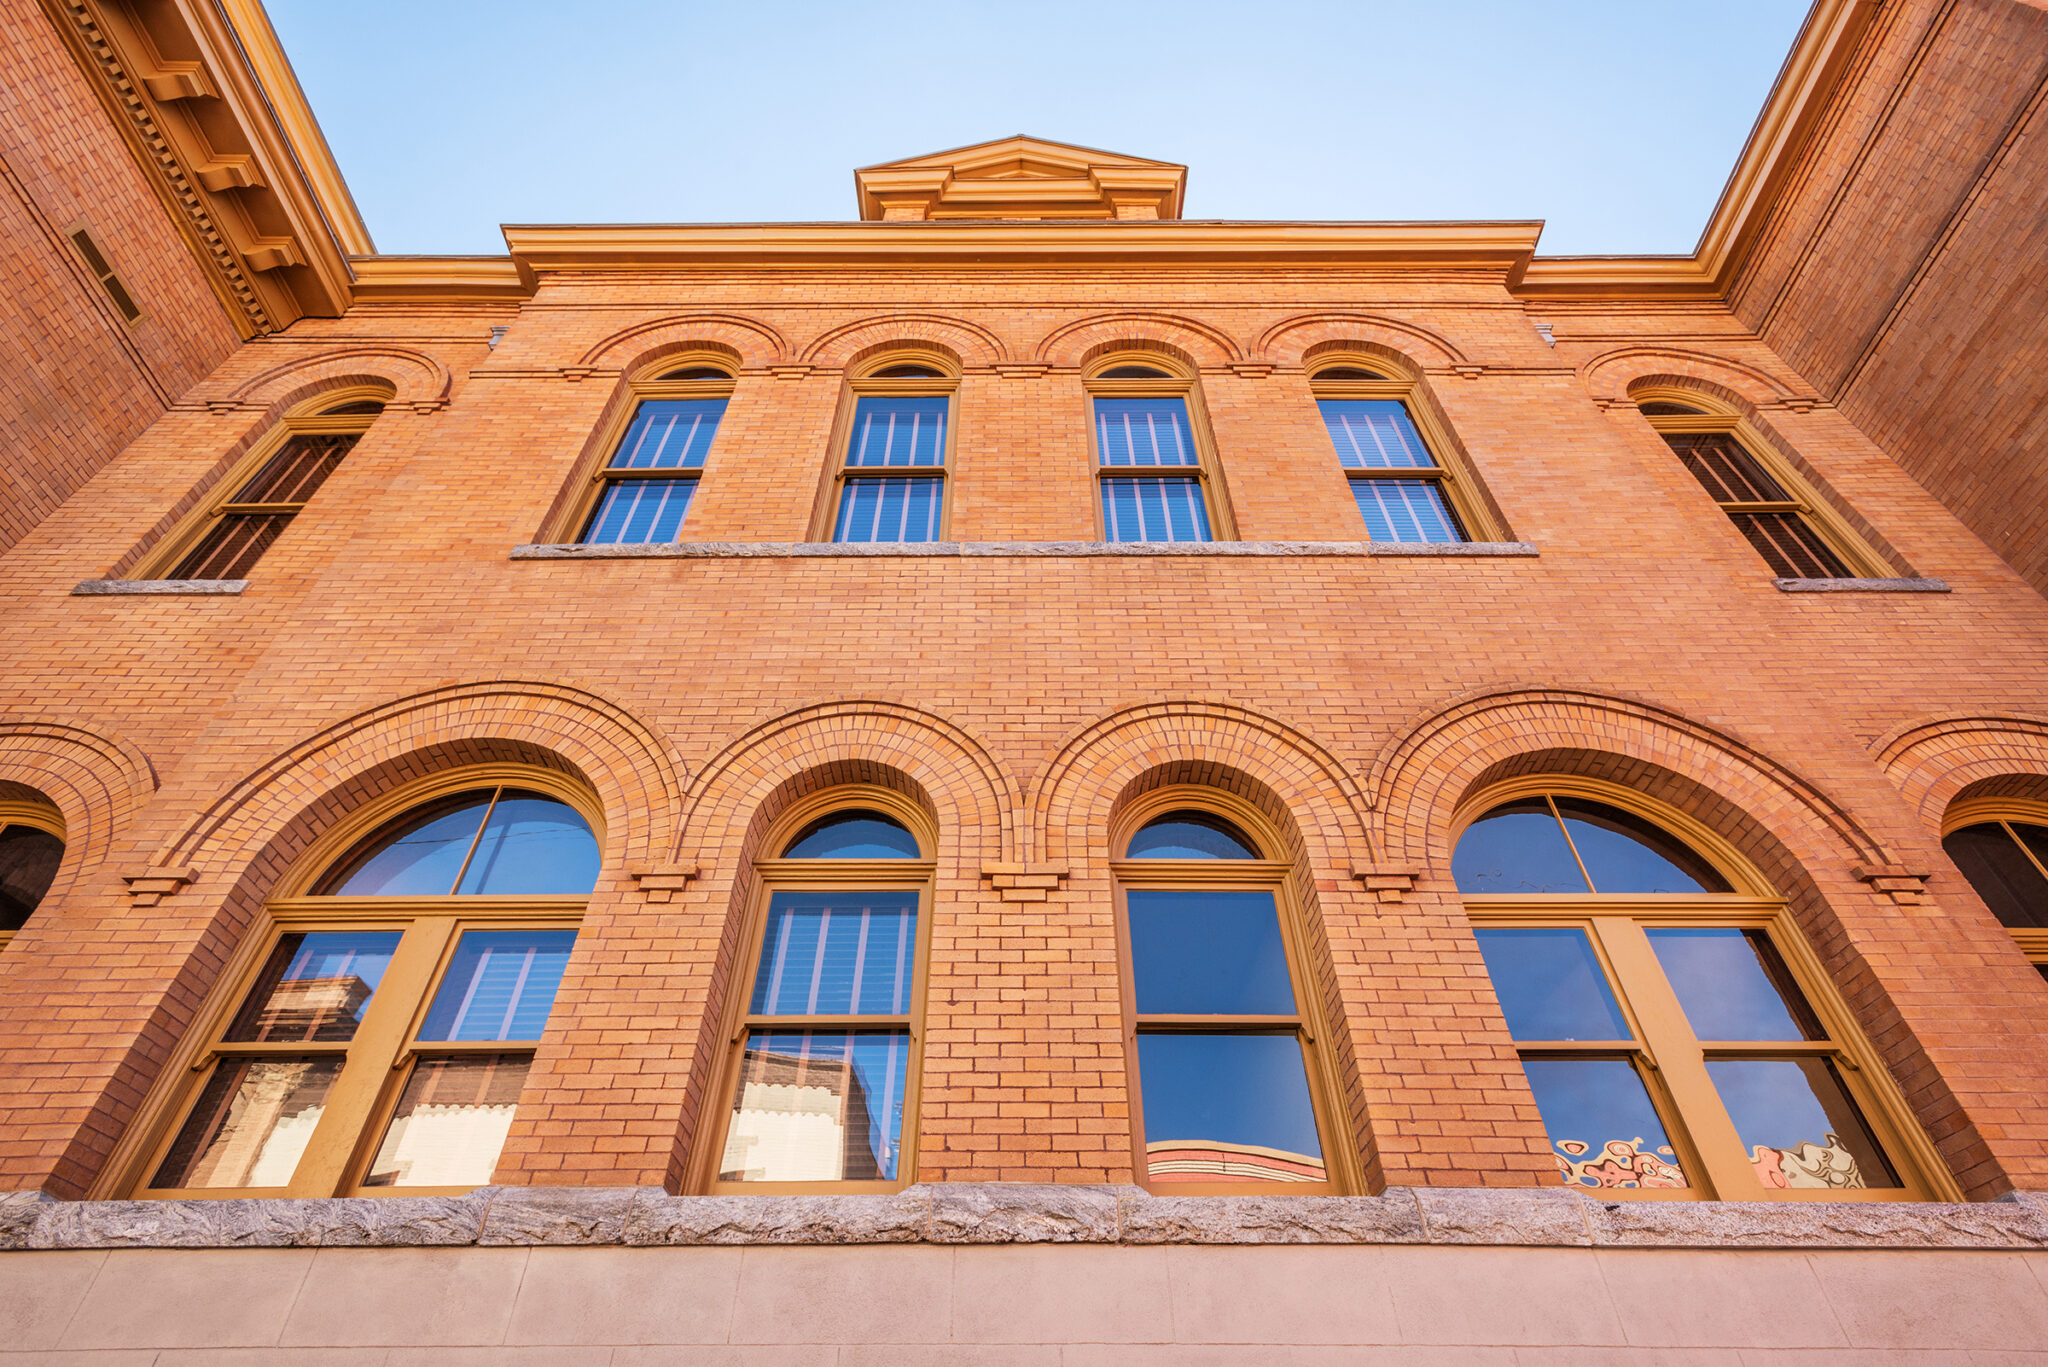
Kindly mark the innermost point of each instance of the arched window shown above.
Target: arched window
(2002, 848)
(1155, 459)
(228, 533)
(379, 1037)
(826, 1058)
(1676, 1033)
(889, 480)
(1226, 1092)
(1404, 487)
(641, 494)
(31, 848)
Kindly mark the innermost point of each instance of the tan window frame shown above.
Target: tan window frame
(32, 814)
(1208, 469)
(825, 516)
(2032, 941)
(1449, 475)
(575, 517)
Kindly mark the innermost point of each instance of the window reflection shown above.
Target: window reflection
(1551, 985)
(853, 834)
(1604, 1131)
(1798, 1124)
(495, 842)
(1227, 1108)
(1191, 835)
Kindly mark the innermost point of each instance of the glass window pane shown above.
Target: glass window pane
(853, 834)
(1624, 853)
(451, 1122)
(1798, 1123)
(1144, 432)
(418, 855)
(1724, 469)
(501, 984)
(534, 845)
(1169, 509)
(1791, 547)
(1551, 985)
(297, 471)
(1733, 984)
(1208, 953)
(28, 865)
(669, 434)
(233, 546)
(1518, 847)
(2001, 873)
(1405, 510)
(251, 1123)
(890, 510)
(2033, 837)
(818, 1106)
(640, 512)
(837, 954)
(1227, 1108)
(898, 431)
(1191, 835)
(1604, 1132)
(1374, 434)
(315, 987)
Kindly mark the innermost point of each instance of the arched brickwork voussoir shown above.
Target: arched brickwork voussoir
(95, 780)
(1932, 761)
(1292, 341)
(969, 343)
(416, 378)
(751, 341)
(1074, 343)
(1611, 375)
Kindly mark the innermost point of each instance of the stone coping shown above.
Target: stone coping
(105, 588)
(1863, 586)
(1015, 1213)
(829, 550)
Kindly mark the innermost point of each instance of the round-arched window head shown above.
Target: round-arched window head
(698, 372)
(1348, 372)
(908, 372)
(488, 842)
(1663, 408)
(853, 833)
(1557, 844)
(1134, 372)
(1190, 835)
(29, 857)
(359, 406)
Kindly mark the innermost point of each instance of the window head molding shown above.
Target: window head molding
(28, 863)
(873, 368)
(2000, 845)
(1376, 413)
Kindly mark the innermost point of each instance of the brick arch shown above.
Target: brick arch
(1293, 341)
(1073, 343)
(1610, 376)
(970, 343)
(94, 779)
(1933, 761)
(416, 379)
(750, 340)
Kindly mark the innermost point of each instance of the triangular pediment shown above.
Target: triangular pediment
(1021, 178)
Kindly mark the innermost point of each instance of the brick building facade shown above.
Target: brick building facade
(1021, 689)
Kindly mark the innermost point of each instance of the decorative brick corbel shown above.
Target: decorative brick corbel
(1905, 886)
(1250, 370)
(576, 374)
(790, 372)
(149, 885)
(1468, 372)
(1022, 370)
(426, 406)
(1024, 882)
(661, 882)
(1390, 882)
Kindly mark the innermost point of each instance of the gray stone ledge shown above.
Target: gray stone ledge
(107, 588)
(828, 550)
(1015, 1213)
(1862, 585)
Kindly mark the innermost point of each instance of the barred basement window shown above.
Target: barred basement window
(31, 849)
(890, 480)
(1677, 1033)
(1404, 491)
(642, 493)
(1155, 461)
(2001, 846)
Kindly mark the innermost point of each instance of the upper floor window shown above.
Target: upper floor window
(1773, 508)
(826, 1052)
(228, 533)
(31, 848)
(1677, 1035)
(1155, 461)
(1404, 492)
(380, 1034)
(890, 480)
(642, 493)
(2002, 848)
(1226, 1091)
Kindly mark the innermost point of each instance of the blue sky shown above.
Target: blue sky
(1616, 121)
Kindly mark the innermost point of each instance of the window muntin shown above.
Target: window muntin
(642, 494)
(1155, 462)
(31, 850)
(889, 482)
(2001, 847)
(1669, 1044)
(487, 842)
(1403, 491)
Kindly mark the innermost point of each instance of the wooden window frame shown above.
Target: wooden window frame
(1665, 1053)
(1978, 811)
(1716, 419)
(1450, 474)
(380, 1057)
(1236, 875)
(310, 420)
(40, 816)
(570, 526)
(869, 383)
(1208, 468)
(775, 874)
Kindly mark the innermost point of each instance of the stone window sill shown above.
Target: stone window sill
(103, 588)
(1862, 585)
(825, 550)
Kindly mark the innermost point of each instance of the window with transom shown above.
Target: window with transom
(265, 492)
(1155, 461)
(1226, 1092)
(31, 849)
(2001, 846)
(642, 493)
(825, 1054)
(890, 473)
(1676, 1032)
(1403, 490)
(378, 1038)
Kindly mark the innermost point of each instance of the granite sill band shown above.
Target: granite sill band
(1862, 586)
(804, 550)
(104, 588)
(1016, 1213)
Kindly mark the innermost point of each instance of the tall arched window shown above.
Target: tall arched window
(1405, 487)
(1226, 1091)
(31, 848)
(377, 1038)
(825, 1055)
(1155, 458)
(2001, 846)
(889, 476)
(642, 492)
(1678, 1035)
